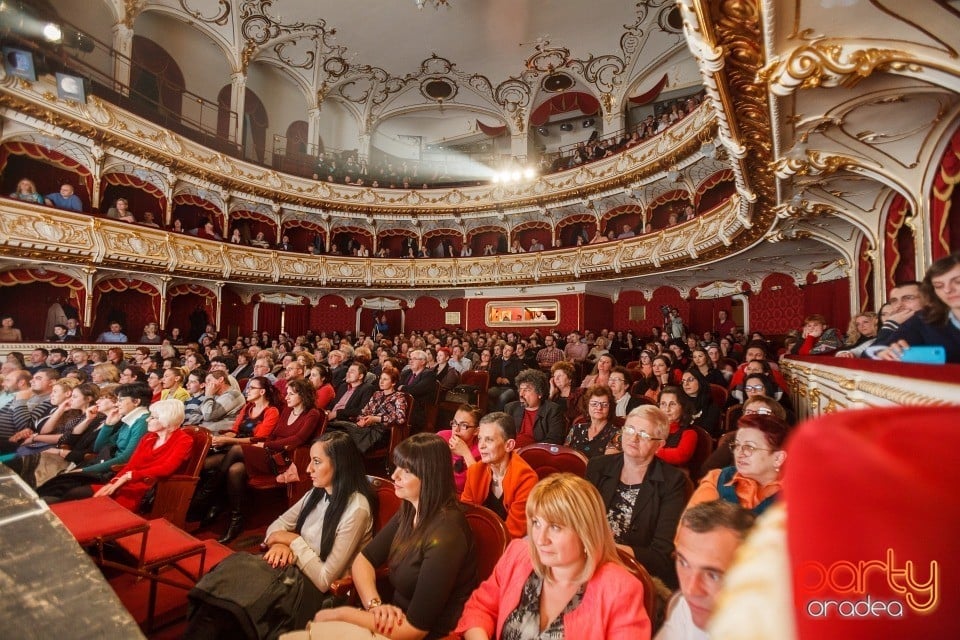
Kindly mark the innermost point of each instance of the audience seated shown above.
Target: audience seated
(681, 441)
(537, 418)
(463, 442)
(121, 211)
(65, 198)
(502, 480)
(939, 321)
(707, 540)
(309, 546)
(565, 578)
(643, 496)
(755, 481)
(594, 436)
(704, 412)
(818, 339)
(27, 192)
(428, 548)
(385, 408)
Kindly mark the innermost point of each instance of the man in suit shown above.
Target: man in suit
(421, 383)
(539, 419)
(352, 396)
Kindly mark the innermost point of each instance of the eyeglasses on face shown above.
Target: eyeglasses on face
(461, 425)
(688, 380)
(761, 411)
(597, 404)
(633, 432)
(753, 387)
(747, 449)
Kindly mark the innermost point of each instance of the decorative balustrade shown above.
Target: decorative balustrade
(40, 233)
(821, 385)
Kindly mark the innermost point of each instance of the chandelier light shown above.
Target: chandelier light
(436, 4)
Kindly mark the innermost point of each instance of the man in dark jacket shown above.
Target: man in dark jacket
(421, 383)
(352, 396)
(538, 419)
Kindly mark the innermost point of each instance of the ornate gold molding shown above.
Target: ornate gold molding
(39, 233)
(828, 63)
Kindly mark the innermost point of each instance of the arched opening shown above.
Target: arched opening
(132, 303)
(443, 243)
(534, 236)
(255, 122)
(156, 81)
(488, 241)
(250, 224)
(47, 168)
(194, 212)
(30, 296)
(576, 229)
(141, 196)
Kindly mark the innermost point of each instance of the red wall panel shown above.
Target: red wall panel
(333, 314)
(778, 307)
(831, 299)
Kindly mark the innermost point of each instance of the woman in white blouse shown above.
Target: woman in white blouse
(319, 536)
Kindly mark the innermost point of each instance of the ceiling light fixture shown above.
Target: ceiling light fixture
(436, 3)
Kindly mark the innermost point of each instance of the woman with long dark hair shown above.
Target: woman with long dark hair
(681, 441)
(296, 425)
(428, 548)
(307, 548)
(704, 412)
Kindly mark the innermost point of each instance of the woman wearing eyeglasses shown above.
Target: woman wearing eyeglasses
(593, 438)
(643, 496)
(722, 456)
(754, 480)
(462, 439)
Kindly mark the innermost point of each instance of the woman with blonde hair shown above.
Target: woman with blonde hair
(564, 579)
(104, 373)
(27, 192)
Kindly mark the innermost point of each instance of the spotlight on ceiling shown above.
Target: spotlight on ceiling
(52, 32)
(543, 131)
(566, 126)
(589, 122)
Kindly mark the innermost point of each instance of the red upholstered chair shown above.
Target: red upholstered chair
(701, 453)
(719, 395)
(300, 457)
(397, 433)
(480, 380)
(172, 497)
(552, 458)
(387, 505)
(649, 590)
(94, 522)
(489, 535)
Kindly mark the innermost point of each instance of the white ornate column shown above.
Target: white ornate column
(164, 286)
(123, 53)
(219, 308)
(89, 273)
(238, 95)
(313, 132)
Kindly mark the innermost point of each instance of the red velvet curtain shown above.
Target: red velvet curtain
(269, 318)
(297, 319)
(945, 221)
(47, 168)
(831, 299)
(141, 195)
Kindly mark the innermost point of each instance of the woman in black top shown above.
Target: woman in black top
(427, 546)
(643, 495)
(705, 413)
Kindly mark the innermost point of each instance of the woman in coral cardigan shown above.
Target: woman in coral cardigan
(564, 579)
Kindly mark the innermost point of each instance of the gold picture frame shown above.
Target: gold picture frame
(525, 313)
